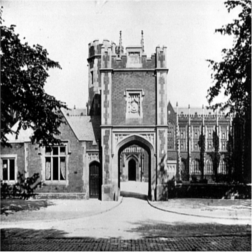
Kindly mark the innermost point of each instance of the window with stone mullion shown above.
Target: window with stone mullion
(171, 137)
(8, 173)
(182, 138)
(55, 163)
(196, 134)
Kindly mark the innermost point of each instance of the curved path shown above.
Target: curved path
(132, 219)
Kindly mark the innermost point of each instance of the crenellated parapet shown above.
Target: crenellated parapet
(133, 58)
(198, 114)
(94, 48)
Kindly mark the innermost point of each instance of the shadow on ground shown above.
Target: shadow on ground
(160, 229)
(23, 233)
(133, 195)
(10, 206)
(156, 236)
(152, 229)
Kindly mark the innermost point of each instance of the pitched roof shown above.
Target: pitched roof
(80, 123)
(83, 126)
(23, 136)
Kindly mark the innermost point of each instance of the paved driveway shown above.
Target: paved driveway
(130, 224)
(132, 219)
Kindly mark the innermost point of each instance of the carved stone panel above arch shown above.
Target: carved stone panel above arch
(150, 137)
(93, 157)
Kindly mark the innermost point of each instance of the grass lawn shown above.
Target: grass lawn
(9, 206)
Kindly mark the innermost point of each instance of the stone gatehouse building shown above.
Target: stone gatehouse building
(128, 131)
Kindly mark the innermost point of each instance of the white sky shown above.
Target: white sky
(65, 28)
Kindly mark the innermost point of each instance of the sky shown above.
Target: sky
(65, 28)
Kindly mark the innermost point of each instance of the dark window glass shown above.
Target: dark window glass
(48, 150)
(62, 150)
(55, 163)
(5, 169)
(55, 150)
(48, 168)
(12, 169)
(55, 168)
(62, 168)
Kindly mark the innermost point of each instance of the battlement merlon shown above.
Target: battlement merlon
(94, 48)
(161, 57)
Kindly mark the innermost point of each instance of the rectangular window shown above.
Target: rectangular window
(171, 137)
(224, 145)
(210, 133)
(182, 133)
(55, 163)
(9, 173)
(196, 134)
(223, 136)
(209, 144)
(183, 138)
(182, 145)
(196, 146)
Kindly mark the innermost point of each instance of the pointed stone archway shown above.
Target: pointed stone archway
(141, 142)
(155, 146)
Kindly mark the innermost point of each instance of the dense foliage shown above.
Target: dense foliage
(233, 74)
(24, 71)
(23, 188)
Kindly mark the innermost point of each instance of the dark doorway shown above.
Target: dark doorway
(94, 180)
(132, 170)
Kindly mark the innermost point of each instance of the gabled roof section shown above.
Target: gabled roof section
(171, 114)
(80, 123)
(23, 136)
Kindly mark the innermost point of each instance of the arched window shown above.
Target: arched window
(208, 167)
(195, 167)
(222, 167)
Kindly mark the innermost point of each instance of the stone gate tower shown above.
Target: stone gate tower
(129, 92)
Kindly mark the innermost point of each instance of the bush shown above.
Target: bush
(23, 189)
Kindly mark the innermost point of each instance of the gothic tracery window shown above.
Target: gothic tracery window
(171, 136)
(195, 167)
(209, 167)
(182, 138)
(222, 169)
(196, 134)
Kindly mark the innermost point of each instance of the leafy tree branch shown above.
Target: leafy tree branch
(24, 71)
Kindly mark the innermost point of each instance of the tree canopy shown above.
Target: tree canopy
(24, 71)
(233, 74)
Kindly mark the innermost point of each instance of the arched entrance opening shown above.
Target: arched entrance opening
(137, 164)
(94, 180)
(132, 170)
